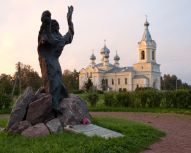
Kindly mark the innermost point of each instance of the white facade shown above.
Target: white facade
(145, 73)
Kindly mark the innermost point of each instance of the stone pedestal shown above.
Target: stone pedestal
(33, 115)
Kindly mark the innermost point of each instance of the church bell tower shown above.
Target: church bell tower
(147, 71)
(146, 47)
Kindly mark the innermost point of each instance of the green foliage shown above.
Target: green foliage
(149, 98)
(6, 84)
(171, 82)
(77, 91)
(6, 101)
(28, 77)
(88, 85)
(92, 98)
(123, 99)
(137, 137)
(3, 122)
(109, 99)
(183, 99)
(71, 80)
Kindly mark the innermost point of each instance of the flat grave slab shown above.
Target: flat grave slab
(94, 130)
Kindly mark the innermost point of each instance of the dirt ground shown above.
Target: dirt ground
(177, 128)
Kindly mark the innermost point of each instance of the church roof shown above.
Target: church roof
(120, 69)
(101, 65)
(146, 35)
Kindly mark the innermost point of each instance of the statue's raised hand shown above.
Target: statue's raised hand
(69, 14)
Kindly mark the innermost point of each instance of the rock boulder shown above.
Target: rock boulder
(74, 110)
(36, 131)
(19, 111)
(40, 109)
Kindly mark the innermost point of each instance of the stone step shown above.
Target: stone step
(94, 130)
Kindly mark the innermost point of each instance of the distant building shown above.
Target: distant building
(145, 73)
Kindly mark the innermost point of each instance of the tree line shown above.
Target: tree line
(25, 76)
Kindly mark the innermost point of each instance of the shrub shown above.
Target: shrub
(142, 97)
(149, 98)
(123, 99)
(183, 99)
(92, 98)
(135, 99)
(109, 99)
(168, 97)
(5, 101)
(100, 92)
(153, 98)
(77, 91)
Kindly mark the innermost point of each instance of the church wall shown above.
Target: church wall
(121, 81)
(141, 82)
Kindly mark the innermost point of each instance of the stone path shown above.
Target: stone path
(92, 130)
(177, 128)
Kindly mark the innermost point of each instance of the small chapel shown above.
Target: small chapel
(112, 77)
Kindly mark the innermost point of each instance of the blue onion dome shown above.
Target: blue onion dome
(92, 57)
(116, 58)
(105, 50)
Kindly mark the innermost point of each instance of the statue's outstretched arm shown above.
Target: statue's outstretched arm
(68, 37)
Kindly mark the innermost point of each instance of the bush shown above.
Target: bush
(77, 91)
(100, 92)
(135, 99)
(123, 99)
(183, 99)
(92, 98)
(5, 101)
(149, 98)
(109, 99)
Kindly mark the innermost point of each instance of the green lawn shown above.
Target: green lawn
(102, 108)
(3, 122)
(138, 136)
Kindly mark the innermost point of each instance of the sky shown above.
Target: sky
(119, 22)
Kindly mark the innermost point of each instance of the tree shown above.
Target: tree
(171, 82)
(6, 84)
(71, 80)
(27, 77)
(88, 85)
(104, 84)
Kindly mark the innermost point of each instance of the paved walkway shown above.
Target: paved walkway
(177, 127)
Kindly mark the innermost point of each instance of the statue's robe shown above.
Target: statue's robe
(49, 52)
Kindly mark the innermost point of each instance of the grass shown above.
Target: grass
(102, 108)
(138, 136)
(3, 122)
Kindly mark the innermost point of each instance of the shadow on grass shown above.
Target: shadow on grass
(138, 136)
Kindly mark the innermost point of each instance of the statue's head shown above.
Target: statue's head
(46, 17)
(55, 26)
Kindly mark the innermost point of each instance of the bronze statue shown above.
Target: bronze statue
(50, 46)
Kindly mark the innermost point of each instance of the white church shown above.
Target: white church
(144, 73)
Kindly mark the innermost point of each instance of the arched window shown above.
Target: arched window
(153, 55)
(142, 55)
(112, 82)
